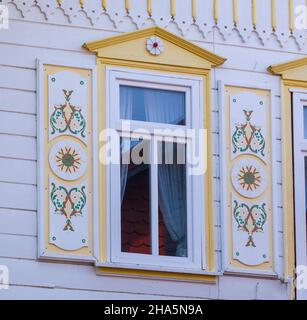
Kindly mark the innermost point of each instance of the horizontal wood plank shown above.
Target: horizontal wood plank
(16, 100)
(18, 171)
(19, 78)
(18, 123)
(18, 196)
(18, 222)
(17, 147)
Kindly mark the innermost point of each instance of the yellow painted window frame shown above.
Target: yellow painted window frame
(210, 254)
(203, 71)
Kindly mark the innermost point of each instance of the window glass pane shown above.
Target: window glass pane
(172, 200)
(305, 122)
(135, 207)
(152, 105)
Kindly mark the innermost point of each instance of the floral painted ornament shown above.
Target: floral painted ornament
(250, 219)
(250, 232)
(68, 203)
(68, 160)
(248, 137)
(68, 218)
(249, 178)
(155, 46)
(68, 105)
(67, 117)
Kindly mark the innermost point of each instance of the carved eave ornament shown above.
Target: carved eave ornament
(133, 47)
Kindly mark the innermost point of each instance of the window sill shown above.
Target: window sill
(163, 274)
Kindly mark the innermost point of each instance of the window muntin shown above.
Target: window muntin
(190, 242)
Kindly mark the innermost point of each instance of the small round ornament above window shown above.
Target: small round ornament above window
(155, 46)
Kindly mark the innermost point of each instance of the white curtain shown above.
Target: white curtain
(163, 107)
(126, 100)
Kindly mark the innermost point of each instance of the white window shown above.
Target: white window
(300, 179)
(155, 207)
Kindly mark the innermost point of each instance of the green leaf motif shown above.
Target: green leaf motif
(248, 136)
(68, 203)
(250, 219)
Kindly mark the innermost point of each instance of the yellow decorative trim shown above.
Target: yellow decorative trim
(235, 12)
(81, 3)
(178, 41)
(194, 10)
(295, 83)
(156, 67)
(102, 172)
(127, 5)
(104, 4)
(291, 15)
(254, 12)
(157, 274)
(173, 8)
(149, 7)
(280, 68)
(216, 11)
(273, 14)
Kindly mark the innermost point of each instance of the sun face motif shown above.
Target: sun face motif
(68, 160)
(249, 178)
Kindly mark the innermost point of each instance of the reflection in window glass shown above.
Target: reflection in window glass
(135, 207)
(152, 105)
(172, 200)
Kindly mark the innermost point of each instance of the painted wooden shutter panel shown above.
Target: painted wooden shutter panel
(247, 178)
(65, 140)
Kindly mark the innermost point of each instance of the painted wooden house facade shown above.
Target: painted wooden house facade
(73, 225)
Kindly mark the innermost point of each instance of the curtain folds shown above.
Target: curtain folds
(163, 107)
(126, 103)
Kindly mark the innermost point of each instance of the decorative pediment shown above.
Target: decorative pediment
(155, 45)
(292, 70)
